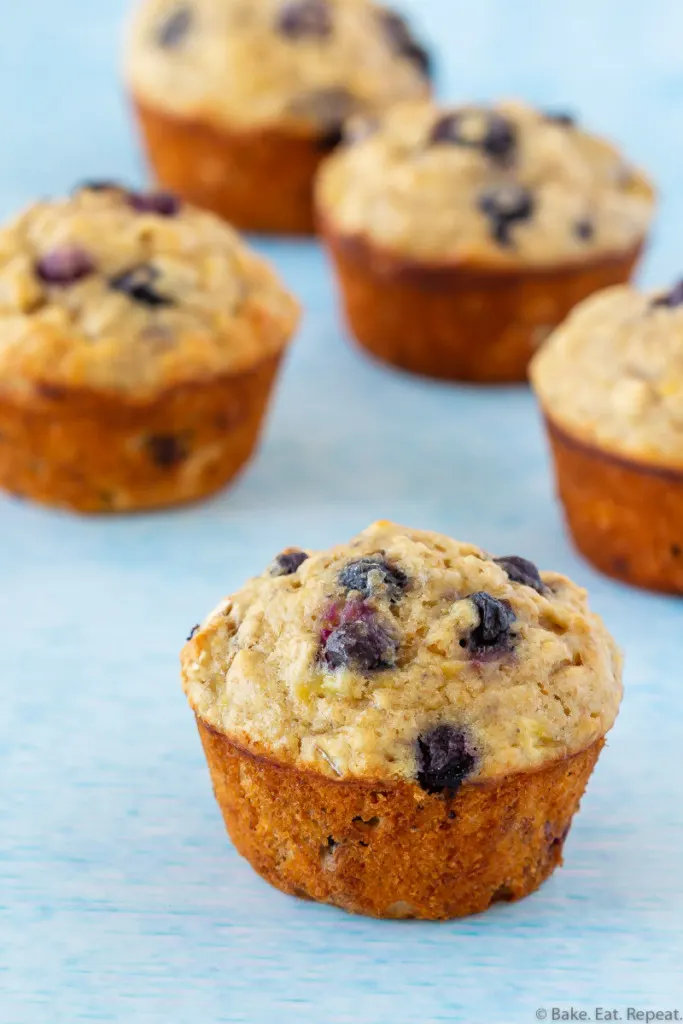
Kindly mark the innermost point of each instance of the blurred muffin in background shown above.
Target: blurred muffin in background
(140, 342)
(462, 236)
(240, 100)
(610, 382)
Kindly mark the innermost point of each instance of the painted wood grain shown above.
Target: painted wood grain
(120, 897)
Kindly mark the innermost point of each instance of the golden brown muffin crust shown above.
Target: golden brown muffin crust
(612, 375)
(459, 322)
(382, 658)
(395, 851)
(132, 293)
(499, 186)
(300, 64)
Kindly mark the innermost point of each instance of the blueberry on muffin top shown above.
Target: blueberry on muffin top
(125, 291)
(287, 562)
(302, 19)
(445, 758)
(497, 185)
(404, 655)
(612, 374)
(237, 63)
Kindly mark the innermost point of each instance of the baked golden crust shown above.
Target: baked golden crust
(458, 321)
(499, 186)
(132, 294)
(140, 343)
(392, 850)
(612, 376)
(238, 64)
(94, 452)
(232, 172)
(610, 382)
(356, 661)
(625, 516)
(240, 108)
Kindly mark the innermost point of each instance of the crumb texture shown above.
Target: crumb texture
(132, 293)
(612, 374)
(406, 655)
(396, 852)
(499, 185)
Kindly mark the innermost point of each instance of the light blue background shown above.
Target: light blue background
(120, 896)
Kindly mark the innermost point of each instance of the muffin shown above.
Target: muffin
(240, 100)
(610, 383)
(461, 237)
(403, 725)
(140, 342)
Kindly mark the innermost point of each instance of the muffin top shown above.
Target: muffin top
(131, 292)
(499, 185)
(302, 65)
(405, 655)
(612, 373)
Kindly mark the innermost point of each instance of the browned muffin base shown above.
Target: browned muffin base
(626, 517)
(93, 452)
(459, 322)
(259, 180)
(393, 850)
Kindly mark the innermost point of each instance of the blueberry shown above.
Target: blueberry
(555, 837)
(99, 185)
(166, 450)
(560, 117)
(585, 229)
(500, 139)
(403, 43)
(173, 30)
(329, 109)
(671, 298)
(478, 129)
(521, 570)
(52, 392)
(505, 205)
(450, 129)
(331, 138)
(287, 563)
(371, 574)
(492, 636)
(335, 613)
(362, 644)
(164, 204)
(65, 265)
(138, 284)
(445, 758)
(305, 19)
(356, 608)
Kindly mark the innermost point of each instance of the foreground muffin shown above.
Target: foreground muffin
(140, 341)
(462, 236)
(240, 100)
(403, 725)
(610, 382)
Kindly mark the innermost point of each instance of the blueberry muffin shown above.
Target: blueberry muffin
(240, 100)
(140, 343)
(403, 725)
(610, 382)
(462, 236)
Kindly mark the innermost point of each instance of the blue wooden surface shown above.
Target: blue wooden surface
(120, 896)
